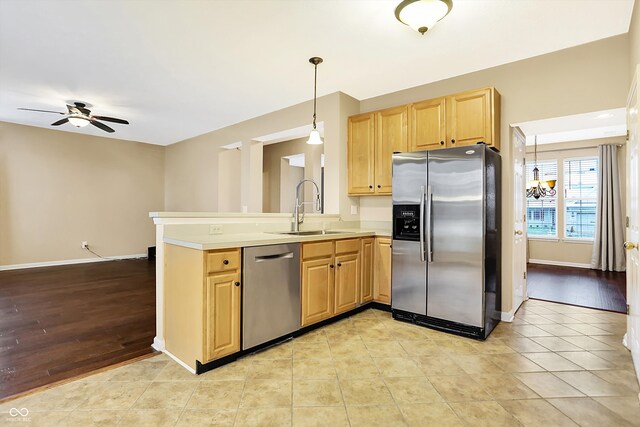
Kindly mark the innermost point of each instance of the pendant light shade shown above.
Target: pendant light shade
(422, 15)
(314, 136)
(78, 122)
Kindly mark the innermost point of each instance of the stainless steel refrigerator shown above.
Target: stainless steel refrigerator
(446, 239)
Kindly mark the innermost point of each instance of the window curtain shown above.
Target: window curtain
(608, 252)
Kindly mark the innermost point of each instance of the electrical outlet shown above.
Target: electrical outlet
(84, 245)
(354, 209)
(215, 229)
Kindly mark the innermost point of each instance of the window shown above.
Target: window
(580, 197)
(542, 218)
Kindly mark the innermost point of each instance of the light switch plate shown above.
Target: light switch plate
(354, 209)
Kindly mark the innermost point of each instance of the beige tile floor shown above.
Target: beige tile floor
(555, 365)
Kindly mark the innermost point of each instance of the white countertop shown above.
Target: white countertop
(241, 240)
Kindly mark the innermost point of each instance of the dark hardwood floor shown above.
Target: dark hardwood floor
(60, 322)
(578, 286)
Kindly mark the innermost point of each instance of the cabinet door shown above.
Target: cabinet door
(427, 122)
(222, 315)
(382, 271)
(366, 260)
(347, 282)
(469, 118)
(360, 152)
(391, 136)
(317, 290)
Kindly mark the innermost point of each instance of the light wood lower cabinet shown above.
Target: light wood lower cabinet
(317, 290)
(382, 270)
(202, 303)
(330, 279)
(347, 282)
(366, 262)
(222, 336)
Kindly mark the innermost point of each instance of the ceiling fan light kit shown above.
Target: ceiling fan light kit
(314, 136)
(422, 15)
(80, 116)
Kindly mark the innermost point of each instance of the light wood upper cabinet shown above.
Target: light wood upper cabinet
(222, 313)
(391, 136)
(366, 261)
(317, 290)
(473, 117)
(460, 119)
(382, 270)
(428, 119)
(347, 282)
(360, 152)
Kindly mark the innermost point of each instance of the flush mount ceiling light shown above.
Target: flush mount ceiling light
(422, 15)
(314, 136)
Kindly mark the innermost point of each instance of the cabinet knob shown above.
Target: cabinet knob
(339, 264)
(237, 283)
(225, 262)
(371, 186)
(379, 186)
(441, 142)
(453, 141)
(331, 265)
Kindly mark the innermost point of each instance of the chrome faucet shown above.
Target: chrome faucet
(296, 210)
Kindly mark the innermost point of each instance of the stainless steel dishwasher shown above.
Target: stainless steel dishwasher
(270, 293)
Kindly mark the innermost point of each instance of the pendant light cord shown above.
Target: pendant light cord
(315, 85)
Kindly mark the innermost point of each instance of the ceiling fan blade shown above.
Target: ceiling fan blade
(102, 126)
(60, 122)
(111, 119)
(42, 111)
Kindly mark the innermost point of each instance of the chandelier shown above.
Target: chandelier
(535, 187)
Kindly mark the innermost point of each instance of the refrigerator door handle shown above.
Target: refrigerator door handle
(421, 224)
(428, 221)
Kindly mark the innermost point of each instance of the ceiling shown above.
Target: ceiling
(177, 69)
(577, 127)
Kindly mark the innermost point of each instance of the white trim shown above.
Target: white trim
(158, 344)
(559, 263)
(507, 316)
(577, 240)
(68, 262)
(544, 239)
(180, 362)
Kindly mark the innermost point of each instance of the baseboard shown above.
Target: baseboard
(158, 344)
(507, 316)
(559, 263)
(180, 362)
(69, 262)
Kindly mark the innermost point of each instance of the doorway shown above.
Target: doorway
(555, 228)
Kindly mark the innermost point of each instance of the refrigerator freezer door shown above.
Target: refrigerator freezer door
(408, 177)
(455, 275)
(408, 278)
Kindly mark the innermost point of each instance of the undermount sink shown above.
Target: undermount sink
(308, 233)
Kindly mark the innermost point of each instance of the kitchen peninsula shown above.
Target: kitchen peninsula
(200, 287)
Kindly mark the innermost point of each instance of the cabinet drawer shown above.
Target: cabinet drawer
(347, 246)
(317, 250)
(223, 260)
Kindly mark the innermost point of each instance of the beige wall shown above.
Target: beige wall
(58, 189)
(272, 155)
(581, 79)
(229, 172)
(634, 39)
(191, 178)
(561, 250)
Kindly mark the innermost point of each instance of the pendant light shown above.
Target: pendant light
(422, 15)
(535, 187)
(314, 136)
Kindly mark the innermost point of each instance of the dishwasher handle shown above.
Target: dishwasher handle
(263, 258)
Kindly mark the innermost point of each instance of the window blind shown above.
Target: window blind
(542, 218)
(580, 185)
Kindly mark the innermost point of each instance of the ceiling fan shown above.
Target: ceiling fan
(79, 115)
